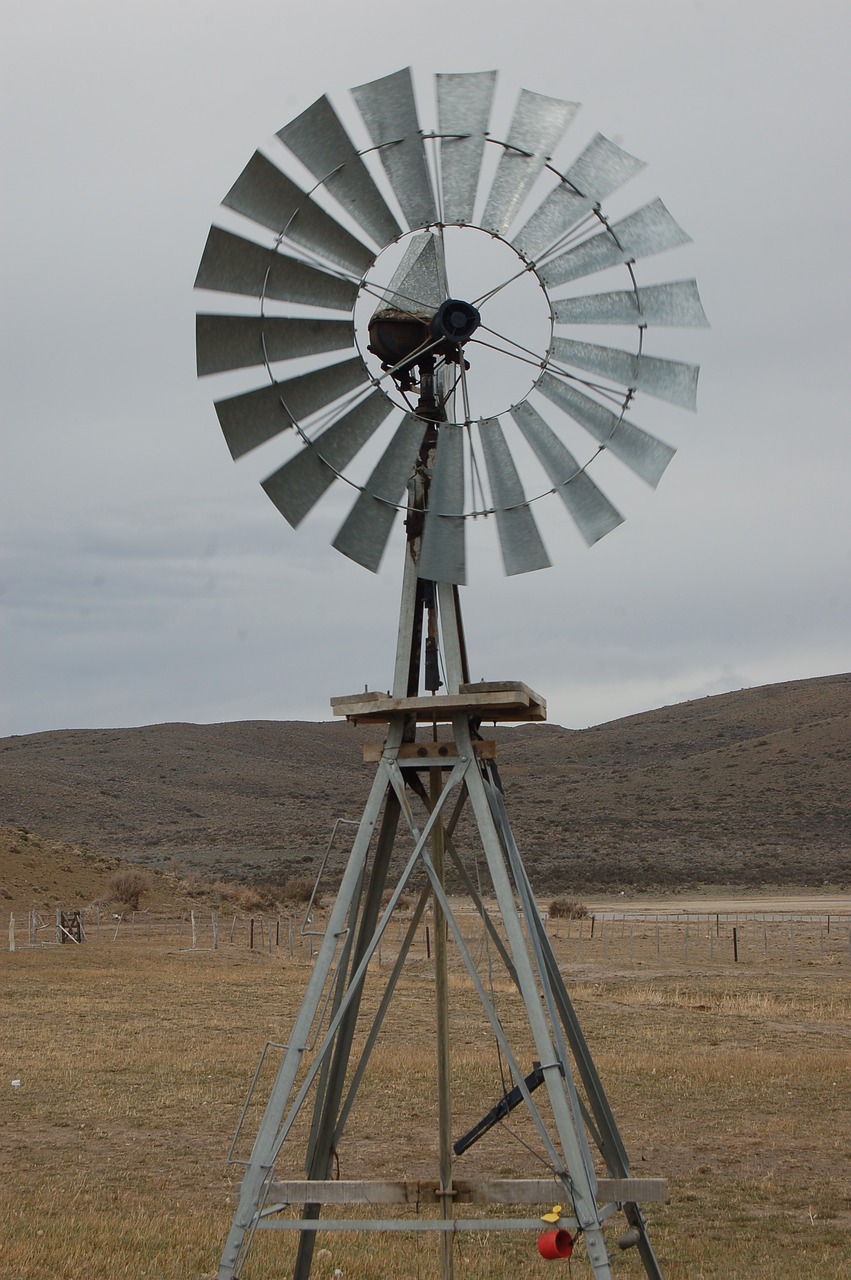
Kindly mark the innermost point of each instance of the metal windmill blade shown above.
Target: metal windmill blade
(385, 349)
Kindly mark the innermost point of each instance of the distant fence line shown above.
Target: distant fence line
(639, 937)
(194, 930)
(607, 937)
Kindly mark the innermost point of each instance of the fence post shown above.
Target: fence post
(12, 946)
(59, 937)
(194, 930)
(251, 934)
(735, 945)
(214, 917)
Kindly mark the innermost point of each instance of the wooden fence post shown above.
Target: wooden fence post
(214, 917)
(12, 945)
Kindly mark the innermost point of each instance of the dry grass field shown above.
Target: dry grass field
(731, 1080)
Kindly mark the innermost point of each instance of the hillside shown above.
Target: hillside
(745, 788)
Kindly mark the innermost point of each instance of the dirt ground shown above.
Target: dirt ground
(730, 1079)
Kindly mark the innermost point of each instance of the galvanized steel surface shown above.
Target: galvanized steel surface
(363, 535)
(520, 541)
(308, 252)
(390, 114)
(536, 130)
(592, 512)
(297, 486)
(463, 113)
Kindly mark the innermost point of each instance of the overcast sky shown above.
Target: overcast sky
(147, 578)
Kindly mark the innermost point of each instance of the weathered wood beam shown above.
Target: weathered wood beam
(542, 1191)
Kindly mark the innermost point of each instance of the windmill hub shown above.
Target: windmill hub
(440, 295)
(455, 320)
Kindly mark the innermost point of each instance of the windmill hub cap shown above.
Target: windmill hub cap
(455, 320)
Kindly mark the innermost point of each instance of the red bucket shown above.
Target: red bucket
(555, 1244)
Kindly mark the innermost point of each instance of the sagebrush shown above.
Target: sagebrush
(129, 886)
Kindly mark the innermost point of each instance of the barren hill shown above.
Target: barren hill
(744, 788)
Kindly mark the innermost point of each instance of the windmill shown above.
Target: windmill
(423, 343)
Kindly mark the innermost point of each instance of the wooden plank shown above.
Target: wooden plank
(426, 751)
(540, 1191)
(490, 700)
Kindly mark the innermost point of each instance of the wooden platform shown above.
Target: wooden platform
(507, 701)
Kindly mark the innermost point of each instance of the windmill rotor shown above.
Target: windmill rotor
(373, 288)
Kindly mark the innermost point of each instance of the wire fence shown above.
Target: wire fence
(705, 938)
(633, 937)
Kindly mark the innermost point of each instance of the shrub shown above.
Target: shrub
(298, 889)
(129, 886)
(405, 902)
(568, 909)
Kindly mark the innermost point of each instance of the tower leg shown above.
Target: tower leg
(261, 1161)
(320, 1156)
(578, 1169)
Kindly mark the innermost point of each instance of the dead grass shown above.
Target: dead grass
(134, 1061)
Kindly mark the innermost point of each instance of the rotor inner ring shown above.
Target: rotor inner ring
(491, 312)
